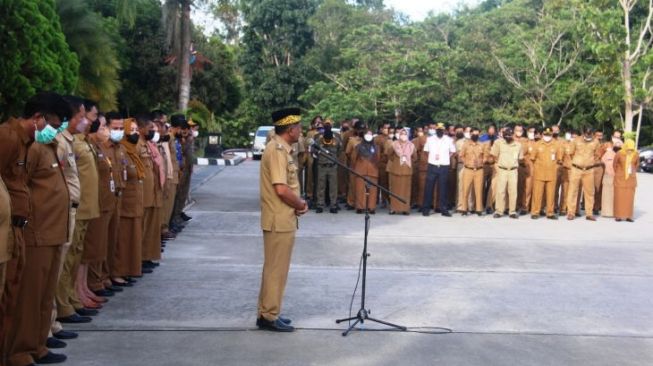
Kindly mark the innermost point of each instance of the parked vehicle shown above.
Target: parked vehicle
(646, 160)
(258, 144)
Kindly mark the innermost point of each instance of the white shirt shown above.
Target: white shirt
(440, 150)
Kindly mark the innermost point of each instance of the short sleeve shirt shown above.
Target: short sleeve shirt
(507, 155)
(277, 167)
(439, 150)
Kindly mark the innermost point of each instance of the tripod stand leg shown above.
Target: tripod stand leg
(358, 320)
(388, 324)
(346, 319)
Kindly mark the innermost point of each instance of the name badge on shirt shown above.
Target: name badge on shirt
(124, 174)
(112, 186)
(553, 157)
(403, 159)
(54, 165)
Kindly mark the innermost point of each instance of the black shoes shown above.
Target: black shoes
(426, 213)
(114, 288)
(514, 216)
(552, 217)
(185, 217)
(319, 210)
(535, 217)
(333, 210)
(274, 325)
(146, 270)
(51, 358)
(53, 343)
(75, 319)
(86, 312)
(446, 213)
(497, 215)
(103, 293)
(64, 334)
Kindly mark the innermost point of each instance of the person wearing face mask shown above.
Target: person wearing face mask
(365, 156)
(599, 170)
(626, 164)
(352, 142)
(152, 191)
(507, 153)
(186, 167)
(566, 172)
(473, 156)
(127, 256)
(584, 154)
(421, 167)
(166, 149)
(547, 155)
(607, 196)
(456, 175)
(440, 148)
(327, 170)
(178, 124)
(523, 172)
(401, 155)
(561, 170)
(315, 125)
(29, 167)
(343, 175)
(382, 142)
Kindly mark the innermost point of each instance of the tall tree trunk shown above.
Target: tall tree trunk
(184, 74)
(628, 94)
(639, 125)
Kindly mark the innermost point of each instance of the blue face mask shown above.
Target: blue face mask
(63, 126)
(46, 135)
(117, 135)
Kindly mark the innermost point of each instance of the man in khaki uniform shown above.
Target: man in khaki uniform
(525, 171)
(281, 204)
(472, 156)
(546, 156)
(152, 192)
(507, 154)
(310, 170)
(44, 237)
(584, 153)
(381, 140)
(5, 227)
(459, 168)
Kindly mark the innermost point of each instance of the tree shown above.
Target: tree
(178, 26)
(35, 53)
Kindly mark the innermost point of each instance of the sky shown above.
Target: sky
(417, 10)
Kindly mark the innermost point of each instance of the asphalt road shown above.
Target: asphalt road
(511, 292)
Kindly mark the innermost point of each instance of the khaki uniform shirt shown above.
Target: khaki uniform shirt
(546, 156)
(107, 184)
(584, 154)
(472, 154)
(382, 142)
(174, 161)
(5, 224)
(48, 221)
(14, 143)
(149, 195)
(66, 155)
(507, 155)
(395, 165)
(277, 167)
(132, 195)
(89, 203)
(422, 157)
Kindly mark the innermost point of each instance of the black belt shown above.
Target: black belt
(509, 169)
(75, 205)
(439, 166)
(327, 165)
(583, 168)
(470, 168)
(18, 221)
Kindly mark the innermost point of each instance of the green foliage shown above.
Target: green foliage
(35, 53)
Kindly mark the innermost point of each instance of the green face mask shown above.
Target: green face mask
(46, 135)
(63, 126)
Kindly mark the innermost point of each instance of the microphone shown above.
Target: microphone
(313, 144)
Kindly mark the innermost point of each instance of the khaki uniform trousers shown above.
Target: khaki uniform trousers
(31, 323)
(541, 187)
(471, 178)
(351, 190)
(66, 296)
(490, 179)
(384, 181)
(577, 178)
(56, 326)
(151, 250)
(460, 168)
(98, 270)
(170, 191)
(598, 187)
(563, 182)
(277, 252)
(506, 182)
(525, 186)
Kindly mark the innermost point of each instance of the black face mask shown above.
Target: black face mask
(344, 129)
(475, 138)
(616, 149)
(509, 139)
(555, 135)
(150, 135)
(439, 133)
(165, 138)
(460, 135)
(133, 138)
(178, 135)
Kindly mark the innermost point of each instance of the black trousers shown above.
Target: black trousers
(439, 174)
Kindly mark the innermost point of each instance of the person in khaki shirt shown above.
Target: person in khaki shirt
(584, 153)
(381, 142)
(507, 153)
(401, 156)
(525, 171)
(5, 236)
(473, 156)
(281, 205)
(546, 156)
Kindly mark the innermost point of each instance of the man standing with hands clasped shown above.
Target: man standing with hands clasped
(281, 205)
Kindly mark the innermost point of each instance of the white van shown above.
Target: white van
(258, 146)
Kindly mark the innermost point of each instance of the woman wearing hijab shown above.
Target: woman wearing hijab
(401, 155)
(626, 163)
(607, 194)
(128, 253)
(366, 157)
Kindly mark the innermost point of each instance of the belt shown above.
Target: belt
(439, 165)
(75, 204)
(470, 168)
(583, 168)
(18, 221)
(504, 168)
(327, 165)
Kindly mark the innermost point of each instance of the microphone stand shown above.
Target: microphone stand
(363, 314)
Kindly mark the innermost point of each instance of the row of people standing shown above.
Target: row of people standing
(90, 200)
(514, 170)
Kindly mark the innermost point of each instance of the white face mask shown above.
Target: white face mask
(391, 136)
(568, 136)
(531, 135)
(196, 133)
(369, 138)
(616, 140)
(431, 132)
(156, 137)
(468, 135)
(403, 138)
(547, 138)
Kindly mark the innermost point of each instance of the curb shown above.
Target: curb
(226, 162)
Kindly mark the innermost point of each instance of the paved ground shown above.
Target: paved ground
(518, 292)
